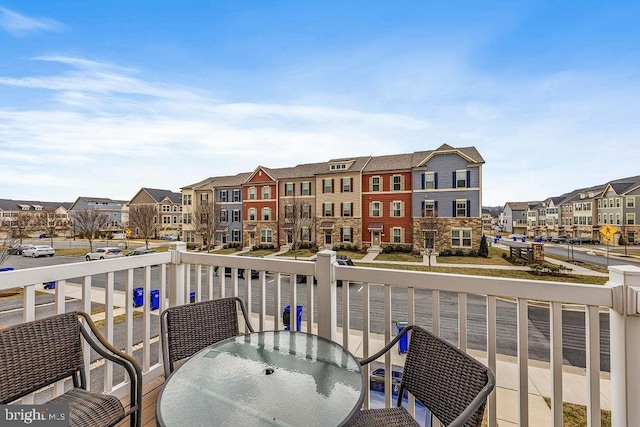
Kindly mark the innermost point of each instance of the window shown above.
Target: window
(204, 197)
(304, 234)
(265, 236)
(235, 235)
(187, 219)
(610, 218)
(429, 180)
(236, 195)
(252, 193)
(460, 179)
(461, 208)
(396, 235)
(429, 208)
(305, 188)
(252, 214)
(266, 192)
(346, 185)
(165, 208)
(166, 219)
(328, 209)
(631, 219)
(617, 218)
(617, 202)
(186, 199)
(611, 202)
(375, 209)
(266, 214)
(397, 182)
(346, 209)
(375, 183)
(288, 211)
(224, 215)
(604, 203)
(631, 202)
(461, 238)
(223, 195)
(306, 211)
(236, 215)
(189, 237)
(289, 189)
(327, 185)
(396, 209)
(346, 234)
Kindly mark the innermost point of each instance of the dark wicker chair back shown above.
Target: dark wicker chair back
(187, 329)
(450, 383)
(36, 354)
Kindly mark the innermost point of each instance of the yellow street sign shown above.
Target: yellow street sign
(608, 239)
(608, 230)
(128, 231)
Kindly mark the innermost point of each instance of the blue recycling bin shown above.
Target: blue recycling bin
(49, 285)
(524, 239)
(155, 299)
(403, 344)
(6, 269)
(138, 297)
(286, 317)
(192, 297)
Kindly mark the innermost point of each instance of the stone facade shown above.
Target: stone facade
(443, 228)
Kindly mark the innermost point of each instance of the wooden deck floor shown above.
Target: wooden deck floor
(150, 393)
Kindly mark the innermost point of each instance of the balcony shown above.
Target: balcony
(362, 317)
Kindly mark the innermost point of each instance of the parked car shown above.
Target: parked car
(18, 248)
(227, 272)
(583, 241)
(102, 253)
(44, 236)
(340, 259)
(377, 380)
(168, 236)
(38, 251)
(141, 252)
(559, 239)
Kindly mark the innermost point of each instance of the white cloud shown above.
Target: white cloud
(19, 25)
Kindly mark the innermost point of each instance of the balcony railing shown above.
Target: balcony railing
(360, 316)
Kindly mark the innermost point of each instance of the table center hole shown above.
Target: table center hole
(269, 371)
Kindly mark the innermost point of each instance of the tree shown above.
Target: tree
(6, 242)
(88, 223)
(206, 217)
(142, 221)
(21, 225)
(432, 227)
(53, 224)
(294, 218)
(483, 251)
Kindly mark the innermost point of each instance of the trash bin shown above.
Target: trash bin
(286, 317)
(49, 285)
(155, 299)
(138, 297)
(524, 239)
(192, 297)
(403, 344)
(6, 269)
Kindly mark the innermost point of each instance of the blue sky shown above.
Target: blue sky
(101, 98)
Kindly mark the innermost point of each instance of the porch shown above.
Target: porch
(361, 317)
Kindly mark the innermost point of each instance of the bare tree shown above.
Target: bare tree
(53, 224)
(6, 242)
(294, 218)
(206, 217)
(88, 223)
(432, 227)
(143, 221)
(21, 225)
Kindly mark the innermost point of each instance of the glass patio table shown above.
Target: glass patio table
(264, 378)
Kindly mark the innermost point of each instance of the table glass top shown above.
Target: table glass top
(265, 378)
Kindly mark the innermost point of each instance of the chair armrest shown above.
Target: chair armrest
(108, 351)
(244, 314)
(386, 347)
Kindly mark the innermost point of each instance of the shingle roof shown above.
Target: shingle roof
(159, 195)
(14, 205)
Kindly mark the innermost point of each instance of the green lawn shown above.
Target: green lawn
(495, 258)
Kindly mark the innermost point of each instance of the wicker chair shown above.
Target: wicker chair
(37, 354)
(186, 329)
(450, 383)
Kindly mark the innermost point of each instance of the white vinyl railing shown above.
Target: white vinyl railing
(109, 284)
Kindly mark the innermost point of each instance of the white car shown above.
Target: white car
(39, 250)
(103, 253)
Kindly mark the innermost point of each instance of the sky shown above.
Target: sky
(102, 98)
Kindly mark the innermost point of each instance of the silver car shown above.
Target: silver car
(38, 250)
(104, 253)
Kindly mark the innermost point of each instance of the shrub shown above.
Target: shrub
(483, 251)
(446, 252)
(459, 252)
(472, 253)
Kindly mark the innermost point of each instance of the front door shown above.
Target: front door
(327, 237)
(376, 238)
(429, 240)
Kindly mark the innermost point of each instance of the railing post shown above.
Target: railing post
(326, 295)
(176, 281)
(624, 325)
